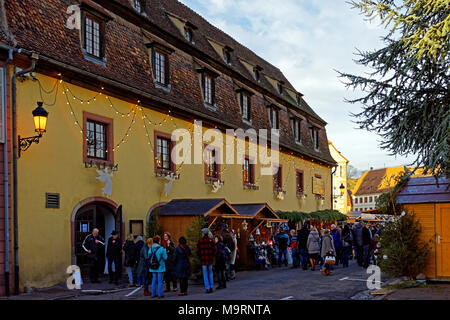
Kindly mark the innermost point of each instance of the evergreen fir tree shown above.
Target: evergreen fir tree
(406, 91)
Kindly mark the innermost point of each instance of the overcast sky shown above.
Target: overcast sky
(308, 40)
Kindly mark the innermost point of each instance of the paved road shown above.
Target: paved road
(275, 284)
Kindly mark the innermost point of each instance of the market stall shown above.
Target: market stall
(259, 224)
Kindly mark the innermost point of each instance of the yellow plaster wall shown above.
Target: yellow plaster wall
(56, 165)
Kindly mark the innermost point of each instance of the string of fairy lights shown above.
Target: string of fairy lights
(147, 122)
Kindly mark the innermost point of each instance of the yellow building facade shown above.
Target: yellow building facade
(56, 165)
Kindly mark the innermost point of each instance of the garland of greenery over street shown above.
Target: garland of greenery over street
(319, 216)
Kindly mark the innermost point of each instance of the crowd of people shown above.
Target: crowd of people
(307, 247)
(159, 261)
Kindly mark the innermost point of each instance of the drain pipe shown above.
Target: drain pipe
(34, 57)
(6, 170)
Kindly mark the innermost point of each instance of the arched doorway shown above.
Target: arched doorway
(99, 213)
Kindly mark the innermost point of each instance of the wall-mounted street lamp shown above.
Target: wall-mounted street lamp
(40, 116)
(342, 189)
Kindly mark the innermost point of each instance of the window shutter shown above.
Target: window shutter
(2, 105)
(83, 30)
(167, 69)
(154, 62)
(213, 90)
(241, 99)
(102, 39)
(249, 114)
(203, 86)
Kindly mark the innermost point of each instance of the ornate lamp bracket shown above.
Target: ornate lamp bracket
(25, 143)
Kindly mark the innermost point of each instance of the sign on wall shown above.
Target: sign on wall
(2, 106)
(318, 185)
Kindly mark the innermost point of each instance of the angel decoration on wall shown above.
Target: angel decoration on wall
(105, 177)
(168, 186)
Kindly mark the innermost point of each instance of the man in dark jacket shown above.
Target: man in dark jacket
(302, 239)
(114, 255)
(337, 242)
(91, 245)
(367, 241)
(228, 241)
(358, 239)
(283, 243)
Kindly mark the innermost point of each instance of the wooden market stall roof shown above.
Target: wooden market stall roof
(198, 207)
(251, 210)
(424, 190)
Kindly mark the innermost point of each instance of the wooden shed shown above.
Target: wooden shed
(177, 215)
(431, 204)
(260, 221)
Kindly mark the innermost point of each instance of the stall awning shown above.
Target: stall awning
(260, 211)
(198, 207)
(368, 217)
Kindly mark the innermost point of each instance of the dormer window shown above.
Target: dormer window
(257, 73)
(245, 99)
(274, 117)
(137, 6)
(160, 63)
(93, 24)
(299, 99)
(188, 34)
(227, 54)
(280, 88)
(208, 87)
(315, 137)
(296, 129)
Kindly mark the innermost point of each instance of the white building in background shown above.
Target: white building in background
(341, 198)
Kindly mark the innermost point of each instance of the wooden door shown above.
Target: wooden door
(443, 239)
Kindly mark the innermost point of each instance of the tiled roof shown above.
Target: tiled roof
(424, 190)
(376, 181)
(41, 26)
(252, 209)
(193, 207)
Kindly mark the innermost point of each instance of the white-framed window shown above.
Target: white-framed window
(208, 89)
(274, 117)
(296, 129)
(245, 106)
(315, 137)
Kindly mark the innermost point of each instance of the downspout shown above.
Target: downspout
(34, 57)
(332, 188)
(6, 170)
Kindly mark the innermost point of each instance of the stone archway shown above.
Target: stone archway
(91, 208)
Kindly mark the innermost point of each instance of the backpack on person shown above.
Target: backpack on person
(153, 261)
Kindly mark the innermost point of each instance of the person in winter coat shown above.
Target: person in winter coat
(302, 238)
(358, 241)
(228, 241)
(114, 255)
(169, 276)
(327, 249)
(367, 241)
(142, 271)
(283, 243)
(130, 257)
(182, 265)
(337, 242)
(233, 256)
(346, 241)
(221, 262)
(206, 251)
(91, 245)
(313, 247)
(158, 274)
(137, 248)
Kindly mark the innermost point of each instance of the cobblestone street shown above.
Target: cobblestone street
(281, 283)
